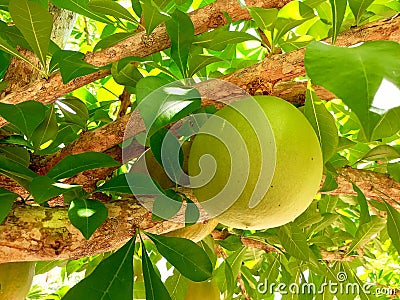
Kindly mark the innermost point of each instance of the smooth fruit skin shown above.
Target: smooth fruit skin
(16, 279)
(297, 175)
(205, 290)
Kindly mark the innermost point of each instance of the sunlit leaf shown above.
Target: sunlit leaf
(111, 8)
(44, 188)
(74, 111)
(46, 131)
(181, 32)
(87, 215)
(200, 61)
(112, 278)
(355, 75)
(294, 241)
(338, 11)
(16, 171)
(359, 7)
(322, 122)
(76, 163)
(17, 154)
(152, 16)
(393, 225)
(35, 23)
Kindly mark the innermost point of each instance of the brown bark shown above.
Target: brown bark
(204, 19)
(32, 233)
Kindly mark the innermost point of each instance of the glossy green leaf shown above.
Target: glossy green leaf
(155, 288)
(161, 106)
(366, 231)
(181, 32)
(218, 39)
(200, 61)
(76, 163)
(44, 188)
(26, 115)
(137, 7)
(17, 154)
(265, 18)
(7, 199)
(35, 23)
(362, 201)
(189, 258)
(388, 124)
(359, 7)
(126, 73)
(294, 241)
(112, 40)
(225, 274)
(74, 111)
(382, 152)
(231, 243)
(81, 7)
(111, 8)
(355, 76)
(112, 278)
(46, 131)
(322, 122)
(87, 215)
(16, 171)
(152, 16)
(290, 16)
(393, 225)
(131, 183)
(330, 183)
(338, 11)
(71, 65)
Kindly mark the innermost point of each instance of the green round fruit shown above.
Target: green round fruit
(202, 290)
(284, 155)
(16, 279)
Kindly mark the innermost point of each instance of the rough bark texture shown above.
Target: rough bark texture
(206, 18)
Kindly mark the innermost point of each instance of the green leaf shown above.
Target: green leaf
(112, 40)
(46, 131)
(131, 183)
(17, 154)
(76, 163)
(44, 188)
(111, 8)
(330, 183)
(152, 16)
(231, 243)
(338, 11)
(16, 172)
(35, 23)
(26, 115)
(74, 111)
(137, 7)
(359, 7)
(290, 16)
(6, 47)
(167, 204)
(265, 18)
(161, 106)
(225, 273)
(294, 241)
(322, 122)
(218, 39)
(177, 285)
(366, 231)
(393, 225)
(155, 289)
(87, 215)
(381, 152)
(112, 278)
(81, 7)
(355, 76)
(189, 258)
(7, 199)
(200, 61)
(387, 125)
(126, 73)
(71, 65)
(181, 32)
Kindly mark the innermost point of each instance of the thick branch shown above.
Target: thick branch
(204, 19)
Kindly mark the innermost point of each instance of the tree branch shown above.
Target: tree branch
(204, 19)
